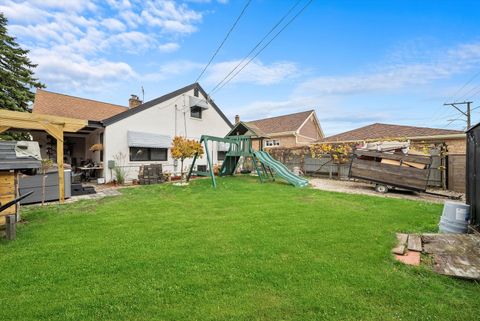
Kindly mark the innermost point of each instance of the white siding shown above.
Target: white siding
(160, 119)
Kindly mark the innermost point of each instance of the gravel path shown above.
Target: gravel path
(357, 187)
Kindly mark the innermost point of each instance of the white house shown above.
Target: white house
(137, 135)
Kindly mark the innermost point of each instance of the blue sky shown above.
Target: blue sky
(354, 62)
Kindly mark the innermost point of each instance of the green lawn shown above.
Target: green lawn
(245, 251)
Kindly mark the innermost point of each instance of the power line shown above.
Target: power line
(465, 85)
(475, 93)
(464, 96)
(257, 45)
(224, 39)
(266, 45)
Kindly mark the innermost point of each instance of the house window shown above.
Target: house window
(272, 143)
(201, 168)
(196, 112)
(143, 154)
(221, 155)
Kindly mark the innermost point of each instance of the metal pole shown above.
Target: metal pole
(212, 175)
(468, 114)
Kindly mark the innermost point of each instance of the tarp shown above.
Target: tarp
(28, 149)
(151, 140)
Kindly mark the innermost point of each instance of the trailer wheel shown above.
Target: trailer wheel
(380, 188)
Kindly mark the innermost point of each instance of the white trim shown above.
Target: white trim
(282, 133)
(304, 122)
(317, 124)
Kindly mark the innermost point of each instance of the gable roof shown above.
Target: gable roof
(248, 129)
(382, 131)
(280, 124)
(50, 103)
(161, 99)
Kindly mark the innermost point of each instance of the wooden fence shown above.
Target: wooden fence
(325, 166)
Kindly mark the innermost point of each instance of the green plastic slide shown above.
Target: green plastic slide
(280, 169)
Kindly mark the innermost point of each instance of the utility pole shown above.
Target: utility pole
(466, 113)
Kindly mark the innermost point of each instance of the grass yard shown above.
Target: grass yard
(245, 251)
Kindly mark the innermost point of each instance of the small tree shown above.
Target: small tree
(183, 148)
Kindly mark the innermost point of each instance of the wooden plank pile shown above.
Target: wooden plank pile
(407, 162)
(409, 171)
(150, 174)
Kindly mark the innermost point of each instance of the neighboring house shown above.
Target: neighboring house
(291, 130)
(142, 132)
(451, 141)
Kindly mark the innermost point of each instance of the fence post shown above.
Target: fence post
(11, 227)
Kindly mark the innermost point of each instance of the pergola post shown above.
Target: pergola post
(61, 171)
(57, 132)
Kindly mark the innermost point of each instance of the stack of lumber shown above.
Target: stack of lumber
(403, 163)
(150, 174)
(397, 148)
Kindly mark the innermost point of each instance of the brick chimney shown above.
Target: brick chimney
(237, 119)
(134, 101)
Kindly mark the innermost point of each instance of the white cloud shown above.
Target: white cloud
(169, 47)
(173, 68)
(255, 73)
(132, 41)
(70, 5)
(352, 94)
(22, 12)
(171, 17)
(397, 76)
(69, 70)
(73, 41)
(119, 4)
(113, 24)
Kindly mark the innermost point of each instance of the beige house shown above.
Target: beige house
(298, 129)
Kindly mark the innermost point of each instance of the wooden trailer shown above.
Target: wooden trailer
(391, 170)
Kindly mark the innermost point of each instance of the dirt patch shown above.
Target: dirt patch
(357, 187)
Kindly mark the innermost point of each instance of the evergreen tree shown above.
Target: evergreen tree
(16, 73)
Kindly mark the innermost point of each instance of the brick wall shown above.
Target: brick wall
(456, 146)
(310, 129)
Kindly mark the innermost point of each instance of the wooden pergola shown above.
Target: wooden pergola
(53, 125)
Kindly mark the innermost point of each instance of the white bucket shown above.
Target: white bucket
(455, 217)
